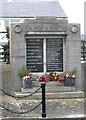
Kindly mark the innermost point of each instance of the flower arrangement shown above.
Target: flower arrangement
(50, 77)
(43, 78)
(70, 74)
(26, 77)
(69, 77)
(24, 73)
(58, 77)
(54, 76)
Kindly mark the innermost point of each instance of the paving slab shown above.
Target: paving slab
(55, 108)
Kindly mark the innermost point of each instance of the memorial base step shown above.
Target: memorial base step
(52, 83)
(54, 95)
(53, 91)
(50, 89)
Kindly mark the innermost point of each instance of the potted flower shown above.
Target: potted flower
(26, 77)
(69, 77)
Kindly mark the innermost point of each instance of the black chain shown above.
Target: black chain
(6, 93)
(21, 112)
(21, 96)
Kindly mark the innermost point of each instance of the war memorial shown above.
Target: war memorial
(45, 42)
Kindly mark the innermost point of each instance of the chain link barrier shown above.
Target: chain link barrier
(21, 111)
(18, 111)
(24, 96)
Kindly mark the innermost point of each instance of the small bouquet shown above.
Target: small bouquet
(70, 74)
(54, 76)
(26, 77)
(44, 79)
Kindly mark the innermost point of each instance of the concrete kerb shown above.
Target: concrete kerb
(43, 118)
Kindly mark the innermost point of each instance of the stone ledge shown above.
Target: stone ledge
(62, 95)
(65, 118)
(51, 89)
(51, 83)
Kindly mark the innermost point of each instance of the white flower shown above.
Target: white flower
(67, 75)
(73, 76)
(26, 77)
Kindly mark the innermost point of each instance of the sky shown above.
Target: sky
(74, 10)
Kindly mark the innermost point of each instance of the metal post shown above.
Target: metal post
(43, 100)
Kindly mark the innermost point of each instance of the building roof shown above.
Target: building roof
(31, 9)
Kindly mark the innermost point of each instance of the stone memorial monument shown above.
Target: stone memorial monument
(44, 41)
(45, 44)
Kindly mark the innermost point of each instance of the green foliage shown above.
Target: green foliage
(73, 71)
(6, 49)
(51, 76)
(43, 77)
(6, 53)
(61, 75)
(7, 35)
(23, 71)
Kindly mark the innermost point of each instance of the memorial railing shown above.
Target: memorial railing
(21, 111)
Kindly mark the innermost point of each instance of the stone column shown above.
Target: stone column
(73, 51)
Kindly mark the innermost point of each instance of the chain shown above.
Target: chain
(18, 110)
(21, 96)
(7, 93)
(21, 111)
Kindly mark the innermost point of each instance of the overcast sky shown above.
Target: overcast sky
(74, 10)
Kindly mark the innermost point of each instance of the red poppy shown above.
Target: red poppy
(47, 78)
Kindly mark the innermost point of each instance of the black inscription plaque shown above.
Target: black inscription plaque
(34, 53)
(54, 54)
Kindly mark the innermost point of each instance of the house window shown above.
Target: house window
(44, 55)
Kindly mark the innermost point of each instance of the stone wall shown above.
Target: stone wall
(73, 52)
(83, 86)
(0, 76)
(7, 85)
(0, 85)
